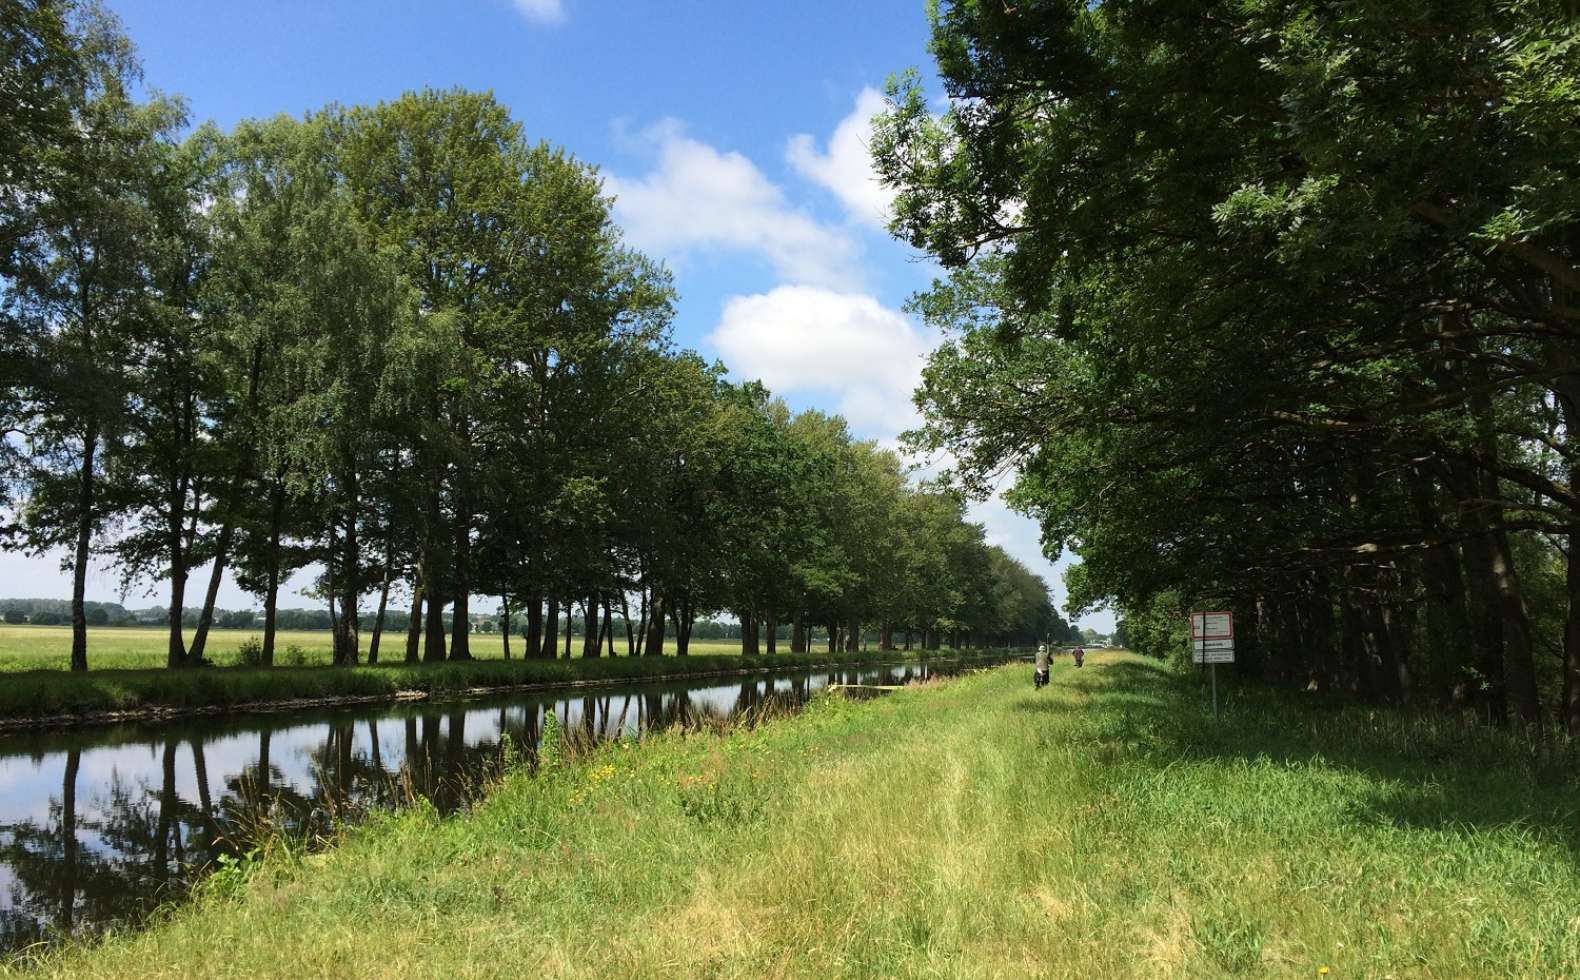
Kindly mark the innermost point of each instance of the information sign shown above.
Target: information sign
(1212, 643)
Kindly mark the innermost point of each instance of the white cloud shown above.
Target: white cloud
(541, 11)
(806, 339)
(846, 168)
(699, 198)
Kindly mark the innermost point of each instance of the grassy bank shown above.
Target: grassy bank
(29, 696)
(1101, 827)
(128, 648)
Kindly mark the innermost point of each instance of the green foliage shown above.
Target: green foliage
(405, 344)
(250, 652)
(1269, 304)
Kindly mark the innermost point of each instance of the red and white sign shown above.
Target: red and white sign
(1212, 625)
(1212, 637)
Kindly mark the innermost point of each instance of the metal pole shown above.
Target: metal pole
(1214, 671)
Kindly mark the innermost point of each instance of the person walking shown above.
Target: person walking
(1080, 656)
(1040, 678)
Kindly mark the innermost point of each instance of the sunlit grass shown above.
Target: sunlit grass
(1102, 827)
(128, 647)
(27, 695)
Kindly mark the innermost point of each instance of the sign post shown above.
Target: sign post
(1212, 643)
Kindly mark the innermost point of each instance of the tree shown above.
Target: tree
(76, 285)
(1230, 191)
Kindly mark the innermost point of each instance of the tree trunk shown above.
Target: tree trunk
(350, 573)
(770, 633)
(433, 649)
(414, 625)
(592, 641)
(378, 618)
(1448, 629)
(570, 621)
(1487, 619)
(461, 612)
(1571, 690)
(504, 624)
(653, 646)
(625, 616)
(216, 575)
(433, 641)
(271, 599)
(853, 639)
(608, 625)
(227, 529)
(175, 533)
(534, 636)
(79, 569)
(175, 650)
(798, 632)
(1518, 658)
(833, 638)
(748, 633)
(551, 628)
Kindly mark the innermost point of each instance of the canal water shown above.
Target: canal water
(100, 825)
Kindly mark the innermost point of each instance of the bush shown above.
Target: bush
(14, 617)
(250, 653)
(294, 656)
(46, 619)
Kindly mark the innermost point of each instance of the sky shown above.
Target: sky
(731, 135)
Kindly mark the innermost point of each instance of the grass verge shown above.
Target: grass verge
(32, 697)
(1102, 827)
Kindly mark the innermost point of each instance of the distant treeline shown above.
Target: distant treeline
(57, 612)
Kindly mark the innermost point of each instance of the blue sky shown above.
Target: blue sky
(731, 134)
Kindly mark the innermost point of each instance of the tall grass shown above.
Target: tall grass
(1102, 827)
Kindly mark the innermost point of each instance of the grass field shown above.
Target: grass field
(127, 673)
(124, 648)
(1102, 827)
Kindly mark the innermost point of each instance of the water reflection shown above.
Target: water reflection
(98, 826)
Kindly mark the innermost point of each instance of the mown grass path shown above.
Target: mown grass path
(1102, 827)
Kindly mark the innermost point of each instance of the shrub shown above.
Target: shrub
(250, 653)
(294, 656)
(46, 619)
(14, 617)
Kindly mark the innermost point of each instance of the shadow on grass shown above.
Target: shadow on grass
(1421, 769)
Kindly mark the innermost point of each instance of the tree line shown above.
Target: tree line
(405, 346)
(1278, 306)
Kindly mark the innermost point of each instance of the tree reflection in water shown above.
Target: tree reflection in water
(103, 827)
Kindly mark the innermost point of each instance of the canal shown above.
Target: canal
(100, 825)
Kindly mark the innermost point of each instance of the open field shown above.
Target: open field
(125, 647)
(146, 687)
(1102, 827)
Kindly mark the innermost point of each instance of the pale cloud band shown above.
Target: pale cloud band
(541, 11)
(698, 198)
(808, 339)
(846, 168)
